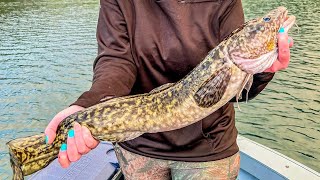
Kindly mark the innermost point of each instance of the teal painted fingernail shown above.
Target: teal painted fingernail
(289, 41)
(71, 133)
(281, 30)
(63, 147)
(47, 139)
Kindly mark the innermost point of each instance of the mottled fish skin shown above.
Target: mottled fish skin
(209, 86)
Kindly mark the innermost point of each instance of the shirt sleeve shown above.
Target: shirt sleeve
(114, 70)
(231, 16)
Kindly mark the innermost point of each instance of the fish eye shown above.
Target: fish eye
(266, 19)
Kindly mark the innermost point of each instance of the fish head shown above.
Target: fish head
(254, 48)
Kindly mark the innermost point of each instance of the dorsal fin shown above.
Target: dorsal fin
(211, 91)
(107, 98)
(162, 87)
(238, 29)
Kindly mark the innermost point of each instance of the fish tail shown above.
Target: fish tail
(30, 154)
(17, 172)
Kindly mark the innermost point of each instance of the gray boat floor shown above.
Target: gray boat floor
(96, 165)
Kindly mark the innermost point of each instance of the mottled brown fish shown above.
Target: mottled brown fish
(222, 75)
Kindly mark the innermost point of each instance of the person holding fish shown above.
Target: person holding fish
(144, 45)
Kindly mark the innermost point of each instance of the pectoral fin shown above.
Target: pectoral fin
(213, 89)
(246, 84)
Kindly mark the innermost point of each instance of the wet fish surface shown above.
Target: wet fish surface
(222, 75)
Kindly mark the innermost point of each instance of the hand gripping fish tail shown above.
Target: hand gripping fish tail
(221, 76)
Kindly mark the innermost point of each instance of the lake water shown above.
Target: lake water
(47, 49)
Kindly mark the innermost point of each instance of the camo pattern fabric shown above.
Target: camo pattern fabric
(137, 167)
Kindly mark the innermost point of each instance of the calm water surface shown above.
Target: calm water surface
(46, 54)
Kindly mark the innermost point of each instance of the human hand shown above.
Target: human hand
(284, 43)
(79, 142)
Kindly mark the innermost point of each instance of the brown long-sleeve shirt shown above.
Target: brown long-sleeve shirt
(144, 44)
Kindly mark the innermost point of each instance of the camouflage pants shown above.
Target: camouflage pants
(136, 167)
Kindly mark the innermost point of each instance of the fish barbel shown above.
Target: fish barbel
(222, 75)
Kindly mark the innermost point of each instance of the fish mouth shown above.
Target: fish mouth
(286, 21)
(289, 21)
